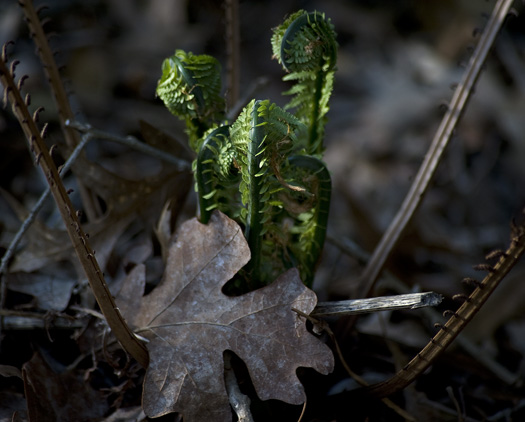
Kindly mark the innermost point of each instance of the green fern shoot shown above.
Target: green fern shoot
(305, 45)
(264, 170)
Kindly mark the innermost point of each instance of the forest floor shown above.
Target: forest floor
(396, 64)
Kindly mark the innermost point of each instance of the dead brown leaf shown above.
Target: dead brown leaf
(51, 292)
(190, 323)
(60, 396)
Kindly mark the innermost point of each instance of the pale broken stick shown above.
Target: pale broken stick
(375, 304)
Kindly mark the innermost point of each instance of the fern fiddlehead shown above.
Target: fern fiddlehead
(264, 169)
(305, 45)
(190, 87)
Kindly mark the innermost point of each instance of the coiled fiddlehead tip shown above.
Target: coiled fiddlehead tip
(190, 85)
(304, 42)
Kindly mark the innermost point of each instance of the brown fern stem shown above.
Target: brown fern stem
(457, 321)
(232, 51)
(80, 242)
(439, 143)
(52, 73)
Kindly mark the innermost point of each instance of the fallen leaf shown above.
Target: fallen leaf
(135, 414)
(51, 292)
(12, 406)
(63, 396)
(10, 371)
(190, 323)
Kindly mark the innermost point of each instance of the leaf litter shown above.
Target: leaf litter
(369, 175)
(190, 323)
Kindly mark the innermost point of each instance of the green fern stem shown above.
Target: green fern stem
(315, 139)
(253, 230)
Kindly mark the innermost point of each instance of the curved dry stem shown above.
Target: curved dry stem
(51, 70)
(457, 321)
(439, 143)
(85, 253)
(59, 93)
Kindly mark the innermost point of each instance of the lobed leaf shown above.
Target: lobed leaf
(190, 323)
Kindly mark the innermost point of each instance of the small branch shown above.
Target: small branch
(439, 143)
(238, 401)
(385, 303)
(50, 69)
(15, 320)
(132, 142)
(323, 326)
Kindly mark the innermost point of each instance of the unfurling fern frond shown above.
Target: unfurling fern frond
(216, 177)
(305, 45)
(310, 207)
(264, 169)
(190, 87)
(263, 135)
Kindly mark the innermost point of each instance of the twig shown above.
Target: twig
(454, 400)
(253, 89)
(132, 142)
(385, 303)
(422, 400)
(16, 320)
(350, 248)
(31, 217)
(439, 143)
(321, 325)
(239, 401)
(303, 410)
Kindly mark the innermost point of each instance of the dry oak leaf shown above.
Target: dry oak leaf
(190, 323)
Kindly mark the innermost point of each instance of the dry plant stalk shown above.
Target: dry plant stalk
(433, 157)
(52, 73)
(376, 304)
(79, 239)
(458, 320)
(473, 303)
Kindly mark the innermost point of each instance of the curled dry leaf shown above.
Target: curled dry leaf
(190, 323)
